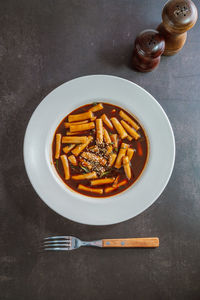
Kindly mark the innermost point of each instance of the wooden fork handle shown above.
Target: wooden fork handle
(152, 242)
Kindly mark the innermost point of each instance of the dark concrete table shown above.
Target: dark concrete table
(43, 44)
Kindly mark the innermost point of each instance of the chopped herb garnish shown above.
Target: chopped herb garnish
(110, 133)
(105, 173)
(94, 103)
(110, 144)
(57, 165)
(115, 149)
(72, 166)
(85, 169)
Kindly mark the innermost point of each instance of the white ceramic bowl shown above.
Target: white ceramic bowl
(39, 136)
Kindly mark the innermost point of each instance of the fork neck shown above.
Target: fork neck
(93, 243)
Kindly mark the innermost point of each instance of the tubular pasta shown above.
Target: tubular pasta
(106, 136)
(65, 166)
(112, 158)
(122, 152)
(130, 153)
(124, 116)
(85, 176)
(80, 117)
(107, 121)
(76, 151)
(82, 127)
(123, 134)
(127, 169)
(114, 139)
(74, 133)
(130, 130)
(74, 139)
(89, 189)
(67, 125)
(102, 181)
(58, 145)
(73, 160)
(68, 148)
(110, 189)
(96, 107)
(99, 131)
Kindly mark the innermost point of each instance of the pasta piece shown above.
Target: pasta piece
(67, 125)
(110, 189)
(121, 183)
(130, 153)
(124, 116)
(129, 138)
(112, 158)
(73, 160)
(99, 131)
(94, 148)
(80, 117)
(85, 176)
(130, 130)
(114, 139)
(58, 145)
(123, 134)
(82, 127)
(76, 151)
(106, 136)
(93, 157)
(109, 150)
(127, 169)
(89, 189)
(93, 118)
(65, 166)
(122, 152)
(85, 163)
(67, 149)
(107, 121)
(74, 133)
(74, 139)
(115, 183)
(102, 181)
(96, 107)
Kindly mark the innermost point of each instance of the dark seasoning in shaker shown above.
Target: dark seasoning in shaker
(149, 46)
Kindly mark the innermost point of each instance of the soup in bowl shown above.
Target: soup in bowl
(100, 150)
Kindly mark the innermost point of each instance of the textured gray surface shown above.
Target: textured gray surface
(43, 44)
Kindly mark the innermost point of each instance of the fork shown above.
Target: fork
(71, 243)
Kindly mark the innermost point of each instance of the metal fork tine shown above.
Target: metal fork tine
(57, 237)
(58, 248)
(55, 245)
(57, 241)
